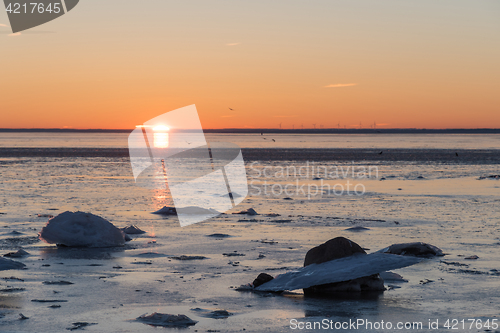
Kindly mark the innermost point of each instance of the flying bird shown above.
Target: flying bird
(456, 154)
(231, 109)
(274, 140)
(381, 153)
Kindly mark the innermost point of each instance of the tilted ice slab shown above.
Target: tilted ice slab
(81, 229)
(338, 270)
(6, 264)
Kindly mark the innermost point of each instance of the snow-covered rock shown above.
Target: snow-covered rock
(418, 249)
(6, 264)
(133, 230)
(79, 229)
(166, 211)
(20, 253)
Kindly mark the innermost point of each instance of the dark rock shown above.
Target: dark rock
(11, 290)
(219, 314)
(166, 320)
(142, 263)
(357, 229)
(473, 257)
(233, 254)
(366, 283)
(219, 235)
(80, 325)
(216, 314)
(490, 176)
(261, 279)
(335, 248)
(15, 233)
(59, 283)
(183, 257)
(280, 221)
(249, 211)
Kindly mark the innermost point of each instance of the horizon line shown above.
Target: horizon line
(248, 130)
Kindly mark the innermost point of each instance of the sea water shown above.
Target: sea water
(301, 204)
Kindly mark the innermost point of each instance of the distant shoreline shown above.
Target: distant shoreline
(274, 131)
(366, 155)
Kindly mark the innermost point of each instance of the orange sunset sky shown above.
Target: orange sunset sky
(117, 63)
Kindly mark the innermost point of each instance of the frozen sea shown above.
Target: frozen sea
(307, 189)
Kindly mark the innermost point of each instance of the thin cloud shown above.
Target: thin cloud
(232, 44)
(16, 34)
(2, 25)
(228, 116)
(286, 116)
(341, 85)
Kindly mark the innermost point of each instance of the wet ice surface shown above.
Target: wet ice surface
(449, 208)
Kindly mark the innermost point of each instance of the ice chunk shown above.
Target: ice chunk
(79, 229)
(338, 270)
